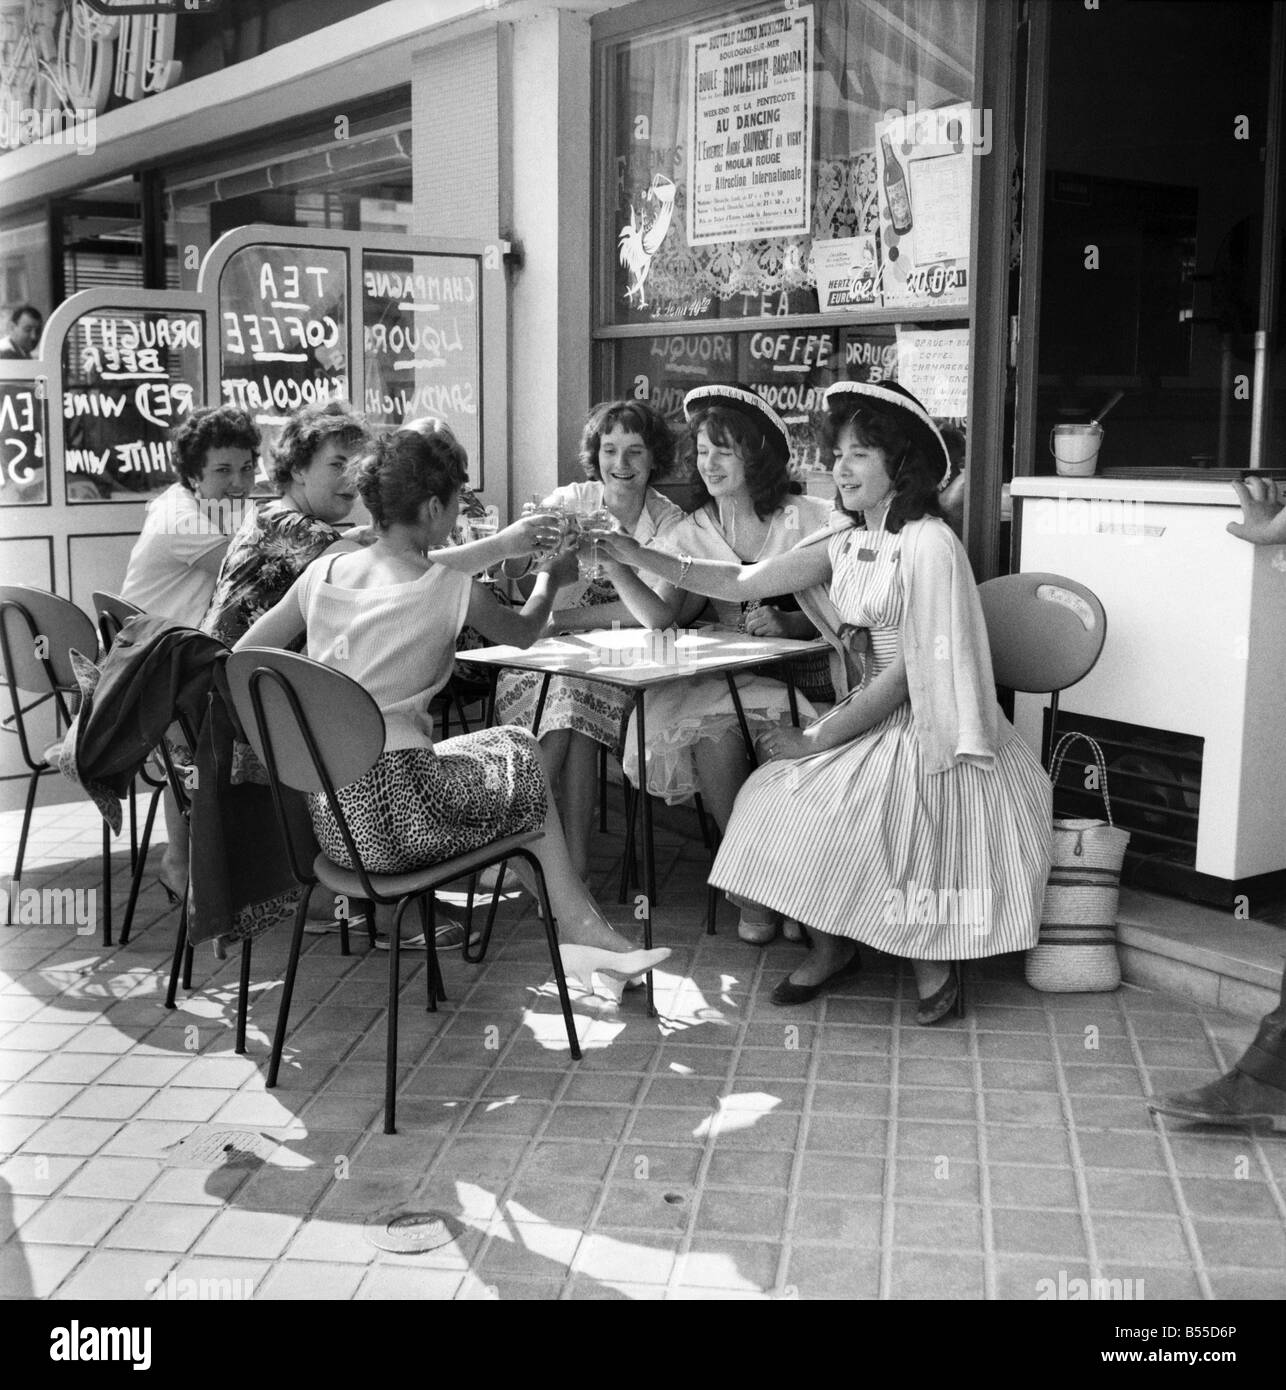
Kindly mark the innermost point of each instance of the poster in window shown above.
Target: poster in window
(933, 364)
(750, 139)
(847, 273)
(925, 161)
(130, 377)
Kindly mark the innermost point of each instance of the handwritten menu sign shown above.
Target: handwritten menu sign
(664, 370)
(933, 364)
(791, 371)
(24, 448)
(751, 128)
(130, 376)
(282, 317)
(421, 342)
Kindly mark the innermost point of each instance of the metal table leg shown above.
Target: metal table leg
(649, 862)
(741, 719)
(540, 703)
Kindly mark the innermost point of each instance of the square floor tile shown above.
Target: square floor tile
(311, 1280)
(1249, 1244)
(937, 1226)
(73, 1221)
(124, 1179)
(1141, 1240)
(123, 1275)
(160, 1226)
(936, 1276)
(1019, 1232)
(833, 1272)
(251, 1234)
(845, 1220)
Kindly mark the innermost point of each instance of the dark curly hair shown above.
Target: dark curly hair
(308, 429)
(915, 477)
(636, 417)
(221, 427)
(405, 469)
(767, 474)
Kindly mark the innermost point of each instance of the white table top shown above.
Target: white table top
(641, 657)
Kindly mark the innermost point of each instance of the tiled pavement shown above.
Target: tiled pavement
(726, 1149)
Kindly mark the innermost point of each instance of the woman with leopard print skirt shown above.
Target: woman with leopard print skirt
(388, 616)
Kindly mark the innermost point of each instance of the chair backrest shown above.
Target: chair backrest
(1046, 631)
(113, 613)
(313, 728)
(37, 631)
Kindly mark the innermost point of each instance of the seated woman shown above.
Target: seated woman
(911, 817)
(749, 511)
(176, 559)
(275, 544)
(624, 447)
(388, 616)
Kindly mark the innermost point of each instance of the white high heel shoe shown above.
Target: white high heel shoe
(580, 963)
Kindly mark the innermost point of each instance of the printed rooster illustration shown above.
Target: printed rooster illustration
(642, 239)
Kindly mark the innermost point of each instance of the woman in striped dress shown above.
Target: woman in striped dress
(911, 817)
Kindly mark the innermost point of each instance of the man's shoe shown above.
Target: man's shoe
(1235, 1099)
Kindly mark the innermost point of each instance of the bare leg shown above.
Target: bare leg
(553, 753)
(722, 768)
(580, 780)
(174, 863)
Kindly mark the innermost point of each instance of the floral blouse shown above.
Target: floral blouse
(273, 546)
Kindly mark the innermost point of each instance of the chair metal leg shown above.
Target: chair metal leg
(704, 822)
(343, 935)
(287, 990)
(390, 1056)
(180, 941)
(602, 789)
(140, 864)
(429, 926)
(16, 881)
(467, 949)
(107, 884)
(627, 859)
(243, 995)
(551, 936)
(133, 824)
(187, 966)
(712, 908)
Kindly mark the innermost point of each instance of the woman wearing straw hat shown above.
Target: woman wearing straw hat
(749, 511)
(911, 817)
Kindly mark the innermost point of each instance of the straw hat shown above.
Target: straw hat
(896, 400)
(742, 399)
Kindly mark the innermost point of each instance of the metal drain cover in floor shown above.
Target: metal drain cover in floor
(409, 1232)
(219, 1146)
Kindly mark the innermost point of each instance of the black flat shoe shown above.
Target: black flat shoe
(948, 998)
(788, 993)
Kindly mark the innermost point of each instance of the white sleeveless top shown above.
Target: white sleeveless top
(397, 641)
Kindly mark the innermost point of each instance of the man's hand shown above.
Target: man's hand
(1263, 519)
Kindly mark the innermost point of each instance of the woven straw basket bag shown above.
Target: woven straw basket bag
(1077, 947)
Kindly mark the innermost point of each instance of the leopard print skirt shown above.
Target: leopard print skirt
(419, 806)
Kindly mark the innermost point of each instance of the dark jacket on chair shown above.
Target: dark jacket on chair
(159, 672)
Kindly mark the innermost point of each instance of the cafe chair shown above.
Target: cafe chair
(1046, 633)
(113, 613)
(315, 729)
(38, 631)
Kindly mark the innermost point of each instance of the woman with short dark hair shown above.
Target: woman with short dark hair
(625, 447)
(176, 559)
(749, 509)
(911, 817)
(313, 465)
(388, 616)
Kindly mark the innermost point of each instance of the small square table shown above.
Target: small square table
(638, 659)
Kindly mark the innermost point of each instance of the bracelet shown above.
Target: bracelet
(686, 562)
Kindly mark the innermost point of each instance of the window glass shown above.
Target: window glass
(720, 136)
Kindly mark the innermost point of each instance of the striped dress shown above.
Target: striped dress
(860, 842)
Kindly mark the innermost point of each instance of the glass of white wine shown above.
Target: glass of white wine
(594, 525)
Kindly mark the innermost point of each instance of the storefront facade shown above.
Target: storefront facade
(784, 193)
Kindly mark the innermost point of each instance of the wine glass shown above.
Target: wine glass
(594, 525)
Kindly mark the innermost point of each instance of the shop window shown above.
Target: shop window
(1153, 227)
(785, 199)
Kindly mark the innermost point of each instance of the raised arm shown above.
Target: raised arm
(521, 627)
(797, 569)
(525, 535)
